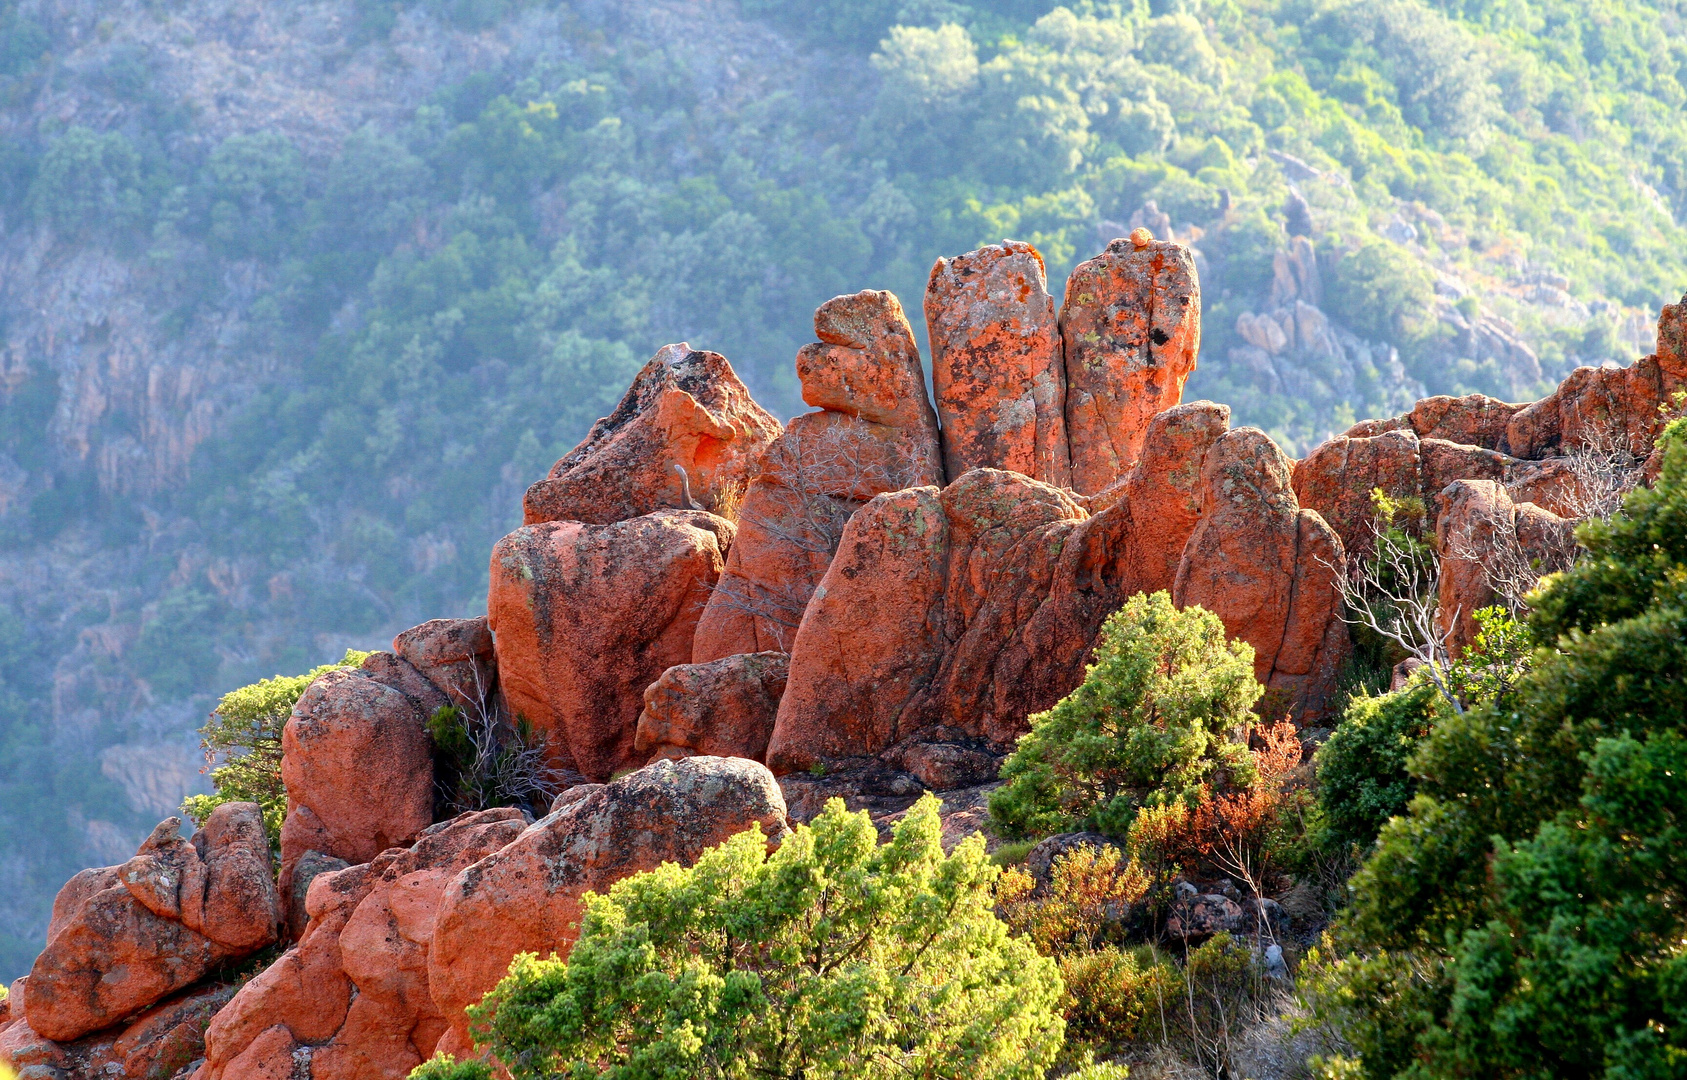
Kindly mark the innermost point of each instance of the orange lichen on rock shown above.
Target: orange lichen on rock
(875, 432)
(587, 616)
(1268, 569)
(996, 363)
(687, 410)
(724, 708)
(352, 998)
(167, 917)
(1130, 330)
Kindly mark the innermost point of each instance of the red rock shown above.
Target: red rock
(1593, 405)
(394, 671)
(587, 616)
(996, 364)
(1164, 490)
(948, 617)
(358, 766)
(876, 433)
(352, 997)
(1269, 570)
(1130, 330)
(866, 365)
(724, 708)
(455, 655)
(686, 409)
(1483, 534)
(1336, 479)
(526, 896)
(1474, 420)
(181, 909)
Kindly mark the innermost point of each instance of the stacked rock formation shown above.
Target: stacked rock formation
(697, 590)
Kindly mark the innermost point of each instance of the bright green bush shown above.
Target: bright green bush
(1362, 777)
(244, 734)
(1156, 718)
(832, 957)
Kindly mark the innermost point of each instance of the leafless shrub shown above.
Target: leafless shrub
(1602, 472)
(488, 760)
(1395, 591)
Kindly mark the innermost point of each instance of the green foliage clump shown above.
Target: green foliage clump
(244, 733)
(1155, 720)
(1527, 900)
(1362, 776)
(831, 957)
(88, 181)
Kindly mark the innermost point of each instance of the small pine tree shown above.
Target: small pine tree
(1156, 719)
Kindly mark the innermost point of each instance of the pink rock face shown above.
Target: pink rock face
(352, 997)
(724, 708)
(1130, 330)
(179, 910)
(1482, 535)
(948, 617)
(526, 897)
(1473, 420)
(358, 766)
(455, 655)
(996, 365)
(1337, 479)
(1269, 570)
(876, 433)
(156, 1045)
(587, 616)
(686, 410)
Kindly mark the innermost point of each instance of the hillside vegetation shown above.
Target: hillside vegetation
(298, 297)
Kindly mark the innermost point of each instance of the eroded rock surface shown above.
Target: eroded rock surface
(686, 410)
(352, 999)
(724, 708)
(876, 432)
(358, 766)
(587, 616)
(526, 896)
(1268, 569)
(1484, 539)
(176, 911)
(1130, 330)
(996, 363)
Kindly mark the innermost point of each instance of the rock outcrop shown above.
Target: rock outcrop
(686, 432)
(724, 708)
(1268, 569)
(173, 913)
(875, 432)
(358, 766)
(156, 1045)
(1484, 539)
(1130, 330)
(526, 896)
(587, 616)
(950, 616)
(352, 998)
(454, 655)
(996, 364)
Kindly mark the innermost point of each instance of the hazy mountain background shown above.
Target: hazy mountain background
(297, 297)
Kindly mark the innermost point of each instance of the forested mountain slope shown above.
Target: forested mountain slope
(297, 297)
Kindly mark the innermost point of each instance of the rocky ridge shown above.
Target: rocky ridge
(940, 597)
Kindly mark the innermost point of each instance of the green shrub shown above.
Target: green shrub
(88, 182)
(1362, 777)
(1155, 720)
(244, 733)
(832, 957)
(1536, 876)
